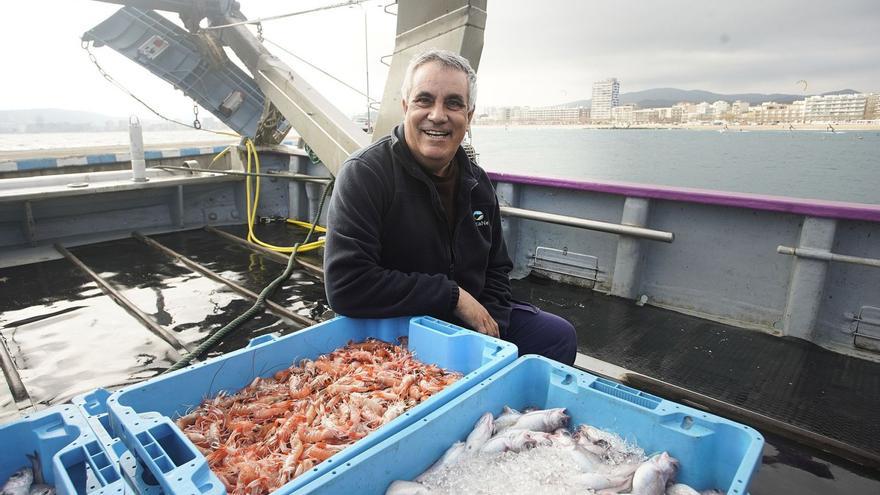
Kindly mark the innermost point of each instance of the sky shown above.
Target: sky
(535, 52)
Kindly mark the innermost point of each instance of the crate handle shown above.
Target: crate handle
(101, 464)
(565, 378)
(436, 325)
(262, 339)
(165, 451)
(628, 394)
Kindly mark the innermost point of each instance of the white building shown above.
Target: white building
(548, 115)
(720, 107)
(622, 114)
(872, 107)
(739, 107)
(606, 95)
(833, 108)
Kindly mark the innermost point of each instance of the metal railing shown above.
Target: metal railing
(583, 223)
(819, 254)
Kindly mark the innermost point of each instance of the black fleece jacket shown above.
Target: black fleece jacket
(389, 252)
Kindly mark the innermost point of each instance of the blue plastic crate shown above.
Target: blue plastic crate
(93, 407)
(714, 452)
(72, 459)
(143, 414)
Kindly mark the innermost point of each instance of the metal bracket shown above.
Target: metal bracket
(866, 328)
(567, 263)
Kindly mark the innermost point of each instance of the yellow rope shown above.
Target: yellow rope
(253, 162)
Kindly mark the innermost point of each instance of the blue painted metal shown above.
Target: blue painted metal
(37, 163)
(176, 56)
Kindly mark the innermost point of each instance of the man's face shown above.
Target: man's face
(436, 115)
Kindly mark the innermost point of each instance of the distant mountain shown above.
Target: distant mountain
(666, 97)
(842, 92)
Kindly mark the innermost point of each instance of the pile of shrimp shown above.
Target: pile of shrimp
(276, 428)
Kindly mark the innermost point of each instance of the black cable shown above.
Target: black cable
(217, 336)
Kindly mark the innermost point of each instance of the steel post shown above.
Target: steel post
(324, 127)
(808, 279)
(454, 25)
(627, 263)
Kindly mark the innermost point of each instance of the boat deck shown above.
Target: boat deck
(64, 336)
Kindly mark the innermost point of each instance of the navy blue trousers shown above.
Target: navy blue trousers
(537, 332)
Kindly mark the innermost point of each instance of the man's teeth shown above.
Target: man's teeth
(435, 133)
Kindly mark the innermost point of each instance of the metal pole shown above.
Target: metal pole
(138, 160)
(16, 385)
(315, 270)
(817, 254)
(277, 175)
(611, 228)
(129, 306)
(196, 267)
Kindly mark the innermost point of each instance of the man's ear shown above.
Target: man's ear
(470, 116)
(403, 102)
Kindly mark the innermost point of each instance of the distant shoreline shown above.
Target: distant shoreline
(692, 127)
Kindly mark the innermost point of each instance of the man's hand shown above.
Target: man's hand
(470, 311)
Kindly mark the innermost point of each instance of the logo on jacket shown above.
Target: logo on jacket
(480, 218)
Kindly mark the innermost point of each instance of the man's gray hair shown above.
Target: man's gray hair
(447, 59)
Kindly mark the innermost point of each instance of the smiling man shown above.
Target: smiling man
(414, 224)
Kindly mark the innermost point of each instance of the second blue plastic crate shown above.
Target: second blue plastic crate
(714, 452)
(72, 459)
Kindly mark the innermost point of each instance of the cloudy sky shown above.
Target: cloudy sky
(536, 52)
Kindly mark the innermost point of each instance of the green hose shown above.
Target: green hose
(217, 336)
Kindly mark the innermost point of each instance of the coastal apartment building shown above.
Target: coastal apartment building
(814, 109)
(835, 107)
(535, 115)
(872, 107)
(549, 115)
(606, 96)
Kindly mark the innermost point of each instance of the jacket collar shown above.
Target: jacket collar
(407, 160)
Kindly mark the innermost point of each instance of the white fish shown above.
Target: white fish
(681, 489)
(507, 418)
(452, 455)
(511, 440)
(652, 476)
(597, 436)
(545, 420)
(598, 481)
(562, 438)
(41, 489)
(586, 461)
(19, 483)
(400, 487)
(481, 434)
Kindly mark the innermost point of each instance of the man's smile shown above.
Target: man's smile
(436, 133)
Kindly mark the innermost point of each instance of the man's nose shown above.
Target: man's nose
(438, 113)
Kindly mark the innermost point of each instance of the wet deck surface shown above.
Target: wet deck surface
(787, 379)
(66, 337)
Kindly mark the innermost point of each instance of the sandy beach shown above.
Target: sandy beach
(697, 127)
